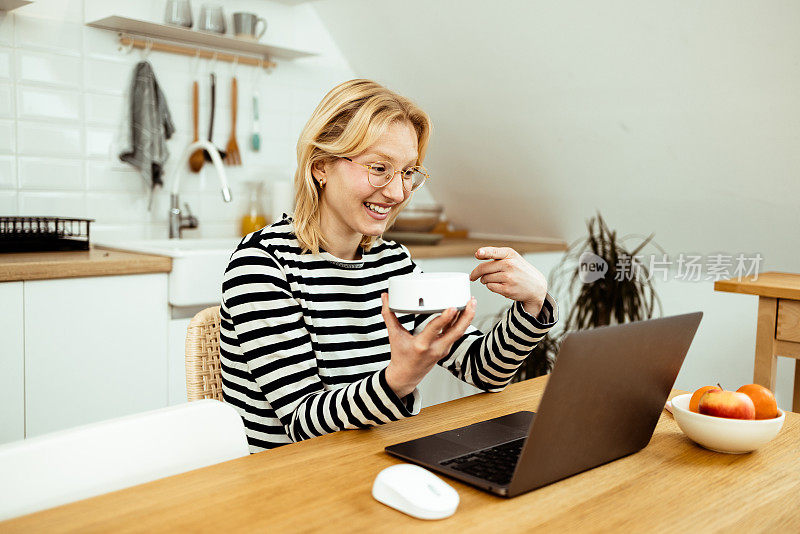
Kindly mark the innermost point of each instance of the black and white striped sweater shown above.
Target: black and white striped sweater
(304, 347)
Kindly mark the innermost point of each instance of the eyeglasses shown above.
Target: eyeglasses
(379, 174)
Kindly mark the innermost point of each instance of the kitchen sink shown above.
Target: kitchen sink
(198, 265)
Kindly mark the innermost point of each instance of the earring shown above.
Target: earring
(322, 184)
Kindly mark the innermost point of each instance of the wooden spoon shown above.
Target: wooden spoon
(233, 157)
(197, 159)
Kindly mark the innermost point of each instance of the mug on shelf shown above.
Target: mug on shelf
(245, 26)
(179, 13)
(212, 18)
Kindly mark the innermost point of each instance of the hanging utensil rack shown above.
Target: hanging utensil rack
(135, 33)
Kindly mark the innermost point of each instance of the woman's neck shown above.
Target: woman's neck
(341, 241)
(344, 253)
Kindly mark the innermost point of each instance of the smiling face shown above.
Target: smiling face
(344, 212)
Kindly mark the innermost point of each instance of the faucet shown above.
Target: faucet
(177, 220)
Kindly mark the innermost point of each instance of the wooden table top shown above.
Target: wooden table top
(324, 484)
(17, 266)
(769, 284)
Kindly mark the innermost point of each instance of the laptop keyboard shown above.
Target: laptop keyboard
(495, 464)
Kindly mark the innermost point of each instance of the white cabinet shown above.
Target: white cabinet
(95, 348)
(177, 358)
(12, 363)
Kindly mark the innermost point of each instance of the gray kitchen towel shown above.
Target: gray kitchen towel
(150, 126)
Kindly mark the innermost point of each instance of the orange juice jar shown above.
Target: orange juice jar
(255, 218)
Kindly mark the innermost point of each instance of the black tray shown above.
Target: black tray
(39, 234)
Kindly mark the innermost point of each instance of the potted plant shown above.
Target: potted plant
(601, 282)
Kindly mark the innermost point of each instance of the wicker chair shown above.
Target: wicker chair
(203, 375)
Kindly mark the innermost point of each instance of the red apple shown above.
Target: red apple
(730, 404)
(694, 402)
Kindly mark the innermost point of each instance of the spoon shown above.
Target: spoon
(211, 122)
(197, 159)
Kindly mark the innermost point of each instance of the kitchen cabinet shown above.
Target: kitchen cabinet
(12, 363)
(176, 359)
(95, 348)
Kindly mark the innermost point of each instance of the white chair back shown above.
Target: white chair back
(74, 464)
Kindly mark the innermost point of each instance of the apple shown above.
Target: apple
(763, 399)
(695, 400)
(730, 404)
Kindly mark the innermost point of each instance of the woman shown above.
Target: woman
(308, 343)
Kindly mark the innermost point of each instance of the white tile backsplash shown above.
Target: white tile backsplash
(8, 174)
(43, 103)
(7, 136)
(52, 203)
(63, 117)
(6, 28)
(50, 173)
(60, 10)
(102, 176)
(117, 207)
(102, 44)
(100, 143)
(6, 56)
(51, 69)
(104, 109)
(107, 76)
(42, 139)
(8, 202)
(6, 100)
(55, 36)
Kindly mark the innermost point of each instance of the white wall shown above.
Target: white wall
(62, 99)
(675, 117)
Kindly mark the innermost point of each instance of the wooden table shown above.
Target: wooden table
(324, 484)
(778, 325)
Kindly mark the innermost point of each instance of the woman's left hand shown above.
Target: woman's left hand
(509, 274)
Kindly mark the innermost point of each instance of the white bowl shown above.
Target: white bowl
(720, 434)
(428, 292)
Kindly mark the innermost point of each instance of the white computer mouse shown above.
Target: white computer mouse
(415, 491)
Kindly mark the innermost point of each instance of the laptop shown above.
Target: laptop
(602, 402)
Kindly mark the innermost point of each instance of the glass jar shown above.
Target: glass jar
(254, 218)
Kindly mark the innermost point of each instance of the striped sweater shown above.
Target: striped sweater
(304, 347)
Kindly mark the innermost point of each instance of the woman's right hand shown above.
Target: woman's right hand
(413, 356)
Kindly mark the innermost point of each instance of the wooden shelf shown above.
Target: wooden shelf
(8, 5)
(193, 40)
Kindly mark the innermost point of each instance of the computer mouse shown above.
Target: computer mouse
(415, 491)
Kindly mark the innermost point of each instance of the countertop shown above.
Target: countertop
(100, 261)
(466, 246)
(17, 266)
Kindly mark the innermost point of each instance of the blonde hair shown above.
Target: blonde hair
(350, 118)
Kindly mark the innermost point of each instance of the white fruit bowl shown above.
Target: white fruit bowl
(720, 434)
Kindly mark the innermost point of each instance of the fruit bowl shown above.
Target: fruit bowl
(720, 434)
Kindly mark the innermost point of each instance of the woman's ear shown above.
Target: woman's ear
(318, 171)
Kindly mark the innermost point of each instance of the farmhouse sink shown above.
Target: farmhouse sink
(197, 265)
